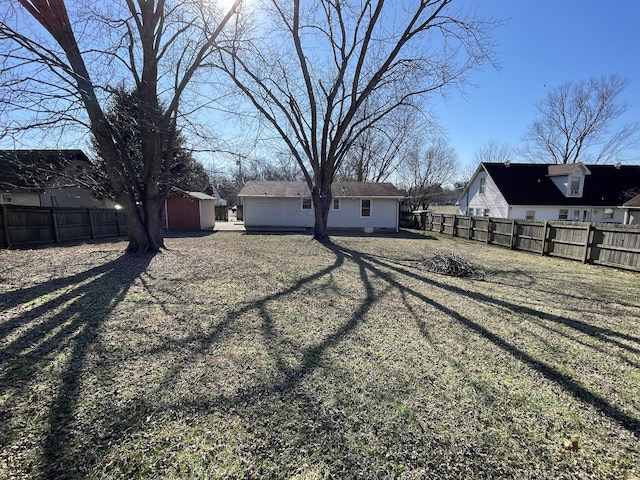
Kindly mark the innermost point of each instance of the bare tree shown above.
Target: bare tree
(426, 172)
(576, 124)
(62, 75)
(378, 152)
(494, 152)
(324, 73)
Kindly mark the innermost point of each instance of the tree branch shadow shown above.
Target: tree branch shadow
(75, 308)
(570, 385)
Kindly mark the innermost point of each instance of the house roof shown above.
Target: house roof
(33, 169)
(301, 189)
(634, 202)
(530, 184)
(558, 170)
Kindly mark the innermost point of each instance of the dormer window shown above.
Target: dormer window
(569, 178)
(574, 187)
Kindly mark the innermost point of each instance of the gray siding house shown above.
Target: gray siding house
(272, 205)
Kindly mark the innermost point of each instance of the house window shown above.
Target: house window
(306, 203)
(5, 198)
(365, 208)
(482, 185)
(485, 212)
(608, 214)
(575, 215)
(586, 215)
(574, 186)
(564, 214)
(336, 204)
(531, 215)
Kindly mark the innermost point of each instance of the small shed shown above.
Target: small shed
(190, 211)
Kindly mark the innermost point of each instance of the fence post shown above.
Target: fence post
(455, 225)
(118, 223)
(489, 230)
(55, 224)
(470, 232)
(513, 234)
(587, 243)
(93, 229)
(5, 224)
(545, 232)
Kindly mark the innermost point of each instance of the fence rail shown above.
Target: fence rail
(607, 244)
(25, 225)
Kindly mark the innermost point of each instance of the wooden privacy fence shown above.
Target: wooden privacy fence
(612, 245)
(222, 213)
(23, 225)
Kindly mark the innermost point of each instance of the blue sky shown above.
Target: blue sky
(544, 44)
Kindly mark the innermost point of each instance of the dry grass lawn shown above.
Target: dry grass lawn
(273, 356)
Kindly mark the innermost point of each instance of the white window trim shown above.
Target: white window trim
(302, 201)
(566, 215)
(362, 200)
(6, 198)
(608, 213)
(333, 204)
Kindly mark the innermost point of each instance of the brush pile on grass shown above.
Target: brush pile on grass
(453, 265)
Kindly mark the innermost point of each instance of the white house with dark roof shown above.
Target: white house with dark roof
(47, 178)
(586, 193)
(272, 205)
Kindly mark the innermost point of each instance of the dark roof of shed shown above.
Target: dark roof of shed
(300, 189)
(31, 169)
(530, 184)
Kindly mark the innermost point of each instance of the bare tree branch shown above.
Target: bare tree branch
(348, 57)
(575, 123)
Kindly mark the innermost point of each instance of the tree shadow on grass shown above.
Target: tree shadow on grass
(53, 327)
(125, 423)
(279, 413)
(377, 267)
(275, 411)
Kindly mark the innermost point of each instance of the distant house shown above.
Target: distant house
(288, 206)
(632, 211)
(47, 178)
(219, 201)
(190, 211)
(586, 193)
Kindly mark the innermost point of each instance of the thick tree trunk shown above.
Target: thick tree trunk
(144, 225)
(322, 199)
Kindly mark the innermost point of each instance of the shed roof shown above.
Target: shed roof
(197, 195)
(530, 184)
(301, 189)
